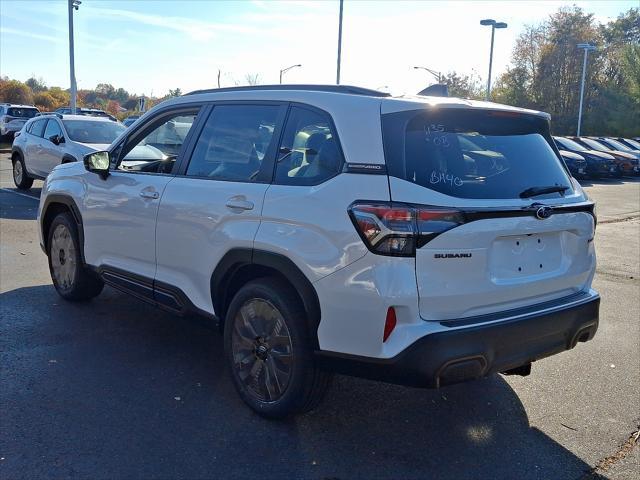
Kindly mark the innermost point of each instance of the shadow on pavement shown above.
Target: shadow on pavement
(115, 388)
(589, 182)
(17, 207)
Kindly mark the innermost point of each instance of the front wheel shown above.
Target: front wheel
(71, 278)
(269, 350)
(20, 177)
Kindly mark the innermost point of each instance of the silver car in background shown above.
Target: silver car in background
(50, 140)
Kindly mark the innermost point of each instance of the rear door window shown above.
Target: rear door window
(472, 154)
(53, 128)
(37, 128)
(309, 153)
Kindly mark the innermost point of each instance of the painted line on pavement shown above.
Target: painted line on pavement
(21, 194)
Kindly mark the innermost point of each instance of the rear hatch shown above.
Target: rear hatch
(16, 117)
(489, 239)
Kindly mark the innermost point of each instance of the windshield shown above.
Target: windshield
(569, 144)
(22, 112)
(88, 131)
(472, 154)
(595, 145)
(617, 145)
(633, 143)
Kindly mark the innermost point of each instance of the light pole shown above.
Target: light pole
(494, 25)
(73, 5)
(339, 43)
(587, 48)
(432, 72)
(285, 70)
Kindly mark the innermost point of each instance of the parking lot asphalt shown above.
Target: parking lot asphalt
(116, 389)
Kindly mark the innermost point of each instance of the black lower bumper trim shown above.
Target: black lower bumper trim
(464, 354)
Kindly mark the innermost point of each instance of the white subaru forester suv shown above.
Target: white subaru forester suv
(417, 240)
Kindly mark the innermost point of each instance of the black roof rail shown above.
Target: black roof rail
(310, 88)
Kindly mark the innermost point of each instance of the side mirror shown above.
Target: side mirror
(97, 162)
(56, 139)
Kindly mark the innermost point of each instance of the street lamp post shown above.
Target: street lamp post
(73, 5)
(285, 70)
(339, 43)
(587, 48)
(432, 72)
(494, 25)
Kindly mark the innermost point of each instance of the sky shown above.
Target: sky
(151, 46)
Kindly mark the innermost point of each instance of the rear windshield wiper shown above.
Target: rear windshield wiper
(535, 191)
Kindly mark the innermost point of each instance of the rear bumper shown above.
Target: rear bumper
(462, 354)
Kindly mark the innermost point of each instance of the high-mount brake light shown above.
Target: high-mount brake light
(397, 229)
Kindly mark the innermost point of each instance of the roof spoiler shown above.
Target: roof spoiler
(436, 90)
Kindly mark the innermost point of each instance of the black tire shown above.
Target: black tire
(305, 384)
(71, 278)
(21, 178)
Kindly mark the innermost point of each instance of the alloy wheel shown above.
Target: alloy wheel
(262, 350)
(17, 172)
(63, 257)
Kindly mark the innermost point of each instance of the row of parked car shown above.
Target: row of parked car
(13, 116)
(595, 157)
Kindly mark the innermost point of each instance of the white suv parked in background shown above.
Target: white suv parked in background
(416, 240)
(13, 117)
(49, 140)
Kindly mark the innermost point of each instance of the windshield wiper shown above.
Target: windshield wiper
(535, 191)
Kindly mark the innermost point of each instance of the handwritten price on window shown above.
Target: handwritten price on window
(435, 133)
(446, 178)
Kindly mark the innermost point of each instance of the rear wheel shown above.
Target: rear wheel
(71, 278)
(269, 350)
(20, 177)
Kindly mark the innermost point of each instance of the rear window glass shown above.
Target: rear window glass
(91, 131)
(22, 112)
(472, 154)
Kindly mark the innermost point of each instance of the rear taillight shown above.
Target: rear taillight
(398, 229)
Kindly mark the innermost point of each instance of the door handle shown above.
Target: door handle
(149, 194)
(238, 203)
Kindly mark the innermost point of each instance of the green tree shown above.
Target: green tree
(105, 90)
(36, 85)
(121, 95)
(546, 72)
(464, 86)
(175, 93)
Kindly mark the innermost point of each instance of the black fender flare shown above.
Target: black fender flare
(70, 203)
(18, 150)
(237, 258)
